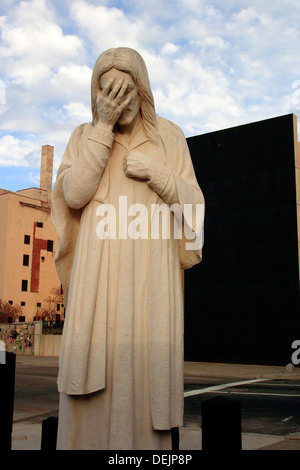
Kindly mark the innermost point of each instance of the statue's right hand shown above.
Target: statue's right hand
(111, 101)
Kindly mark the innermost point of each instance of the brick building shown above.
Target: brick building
(27, 244)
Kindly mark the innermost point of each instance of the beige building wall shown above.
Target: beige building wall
(27, 247)
(27, 255)
(3, 236)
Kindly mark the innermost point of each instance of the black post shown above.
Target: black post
(49, 433)
(7, 393)
(175, 438)
(221, 425)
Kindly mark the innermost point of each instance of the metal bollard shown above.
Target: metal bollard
(49, 433)
(7, 393)
(175, 438)
(221, 425)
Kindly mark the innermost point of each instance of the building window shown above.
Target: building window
(27, 239)
(42, 259)
(49, 245)
(22, 304)
(58, 307)
(24, 285)
(25, 260)
(39, 224)
(11, 302)
(38, 304)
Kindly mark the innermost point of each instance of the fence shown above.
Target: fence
(33, 338)
(52, 327)
(19, 338)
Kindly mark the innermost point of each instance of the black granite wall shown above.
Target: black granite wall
(242, 301)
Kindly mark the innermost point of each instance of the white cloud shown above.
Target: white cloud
(35, 179)
(108, 27)
(212, 64)
(41, 73)
(33, 44)
(78, 112)
(17, 152)
(291, 102)
(2, 92)
(170, 48)
(69, 82)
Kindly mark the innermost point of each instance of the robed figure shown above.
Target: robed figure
(121, 361)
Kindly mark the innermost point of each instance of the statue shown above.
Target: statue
(121, 361)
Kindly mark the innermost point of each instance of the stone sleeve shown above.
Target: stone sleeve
(163, 183)
(83, 177)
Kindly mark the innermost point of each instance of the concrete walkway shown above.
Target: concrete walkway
(27, 432)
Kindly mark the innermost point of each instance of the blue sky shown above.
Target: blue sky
(213, 64)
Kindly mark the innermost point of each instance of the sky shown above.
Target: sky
(213, 64)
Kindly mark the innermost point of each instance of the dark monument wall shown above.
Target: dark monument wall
(242, 301)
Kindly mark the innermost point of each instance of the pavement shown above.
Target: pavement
(27, 427)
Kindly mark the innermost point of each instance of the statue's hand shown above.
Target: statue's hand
(111, 102)
(139, 165)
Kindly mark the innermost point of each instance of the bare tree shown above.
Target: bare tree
(55, 298)
(8, 310)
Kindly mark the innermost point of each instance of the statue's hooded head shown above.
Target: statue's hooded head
(129, 61)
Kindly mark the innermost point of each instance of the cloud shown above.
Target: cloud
(41, 69)
(212, 64)
(107, 27)
(42, 75)
(33, 44)
(2, 92)
(35, 179)
(78, 111)
(291, 102)
(70, 81)
(18, 152)
(170, 48)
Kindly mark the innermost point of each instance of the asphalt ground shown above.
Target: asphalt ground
(36, 398)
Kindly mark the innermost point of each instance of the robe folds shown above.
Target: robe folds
(123, 296)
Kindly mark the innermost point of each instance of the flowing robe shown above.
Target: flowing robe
(122, 346)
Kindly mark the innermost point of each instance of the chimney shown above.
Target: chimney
(47, 169)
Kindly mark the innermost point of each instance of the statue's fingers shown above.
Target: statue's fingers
(116, 88)
(107, 87)
(123, 89)
(125, 103)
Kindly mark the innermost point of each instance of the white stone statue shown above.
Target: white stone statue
(121, 362)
